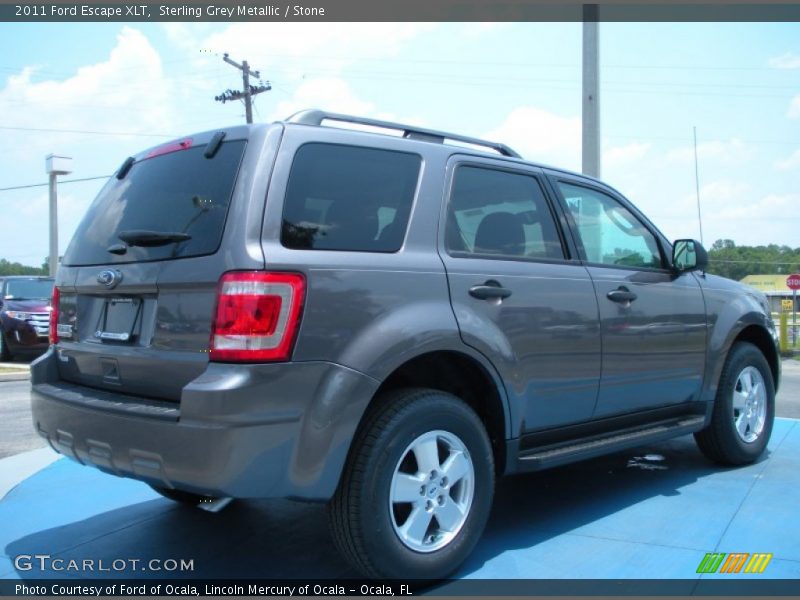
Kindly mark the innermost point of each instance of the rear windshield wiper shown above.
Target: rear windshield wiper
(148, 238)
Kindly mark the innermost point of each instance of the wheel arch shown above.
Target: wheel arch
(463, 375)
(761, 339)
(730, 328)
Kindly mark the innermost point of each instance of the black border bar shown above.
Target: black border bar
(393, 11)
(244, 588)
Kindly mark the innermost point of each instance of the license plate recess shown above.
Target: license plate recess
(118, 319)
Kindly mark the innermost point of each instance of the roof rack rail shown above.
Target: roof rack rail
(316, 117)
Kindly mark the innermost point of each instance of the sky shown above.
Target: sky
(99, 92)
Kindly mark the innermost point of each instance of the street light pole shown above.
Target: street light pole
(55, 166)
(591, 91)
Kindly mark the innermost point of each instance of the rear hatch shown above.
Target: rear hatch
(137, 285)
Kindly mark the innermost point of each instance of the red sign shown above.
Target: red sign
(793, 281)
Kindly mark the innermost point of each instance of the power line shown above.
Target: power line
(33, 185)
(248, 91)
(44, 130)
(754, 262)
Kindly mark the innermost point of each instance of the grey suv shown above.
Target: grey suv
(385, 323)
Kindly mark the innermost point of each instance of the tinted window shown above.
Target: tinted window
(348, 198)
(610, 233)
(28, 289)
(180, 192)
(496, 213)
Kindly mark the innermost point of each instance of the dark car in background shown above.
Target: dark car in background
(24, 315)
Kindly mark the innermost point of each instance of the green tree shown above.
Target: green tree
(736, 262)
(15, 268)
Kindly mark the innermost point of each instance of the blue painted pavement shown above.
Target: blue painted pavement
(648, 513)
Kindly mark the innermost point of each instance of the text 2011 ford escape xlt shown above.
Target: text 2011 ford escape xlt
(385, 323)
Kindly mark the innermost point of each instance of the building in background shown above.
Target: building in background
(774, 286)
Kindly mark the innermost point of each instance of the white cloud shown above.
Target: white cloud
(541, 136)
(790, 162)
(733, 150)
(326, 93)
(127, 92)
(323, 46)
(615, 156)
(794, 108)
(478, 29)
(787, 60)
(778, 208)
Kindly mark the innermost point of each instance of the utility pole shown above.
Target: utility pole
(55, 166)
(697, 184)
(591, 91)
(248, 91)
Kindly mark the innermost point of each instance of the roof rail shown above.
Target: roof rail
(316, 117)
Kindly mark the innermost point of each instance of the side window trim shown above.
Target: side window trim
(555, 178)
(458, 161)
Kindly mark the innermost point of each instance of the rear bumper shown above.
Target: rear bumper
(274, 430)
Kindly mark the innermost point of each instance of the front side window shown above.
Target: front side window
(497, 214)
(349, 198)
(610, 233)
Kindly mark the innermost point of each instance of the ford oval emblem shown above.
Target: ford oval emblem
(109, 278)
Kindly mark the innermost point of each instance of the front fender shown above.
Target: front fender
(729, 314)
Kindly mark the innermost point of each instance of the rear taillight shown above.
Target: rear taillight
(257, 316)
(54, 315)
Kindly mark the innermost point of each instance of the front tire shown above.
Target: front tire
(5, 351)
(417, 488)
(744, 409)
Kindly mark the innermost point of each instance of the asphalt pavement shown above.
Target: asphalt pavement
(16, 427)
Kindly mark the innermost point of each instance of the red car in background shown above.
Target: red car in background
(24, 315)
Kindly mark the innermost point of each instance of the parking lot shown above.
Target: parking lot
(653, 512)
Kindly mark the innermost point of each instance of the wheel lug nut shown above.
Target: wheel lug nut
(422, 490)
(440, 500)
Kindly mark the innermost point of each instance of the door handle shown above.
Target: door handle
(622, 295)
(489, 290)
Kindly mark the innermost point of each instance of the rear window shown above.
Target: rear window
(349, 198)
(180, 192)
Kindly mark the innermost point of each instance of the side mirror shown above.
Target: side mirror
(689, 255)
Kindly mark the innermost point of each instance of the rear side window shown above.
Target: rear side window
(497, 214)
(180, 192)
(348, 198)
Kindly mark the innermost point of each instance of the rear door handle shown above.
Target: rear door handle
(622, 295)
(489, 290)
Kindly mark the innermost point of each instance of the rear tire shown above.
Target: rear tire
(744, 409)
(417, 489)
(181, 497)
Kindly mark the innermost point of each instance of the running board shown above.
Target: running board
(535, 459)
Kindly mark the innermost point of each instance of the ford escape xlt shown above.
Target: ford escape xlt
(387, 324)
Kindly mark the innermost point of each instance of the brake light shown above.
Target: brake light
(171, 147)
(257, 316)
(54, 315)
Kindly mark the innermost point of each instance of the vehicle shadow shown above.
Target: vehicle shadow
(283, 539)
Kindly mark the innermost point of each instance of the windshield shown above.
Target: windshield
(182, 193)
(28, 289)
